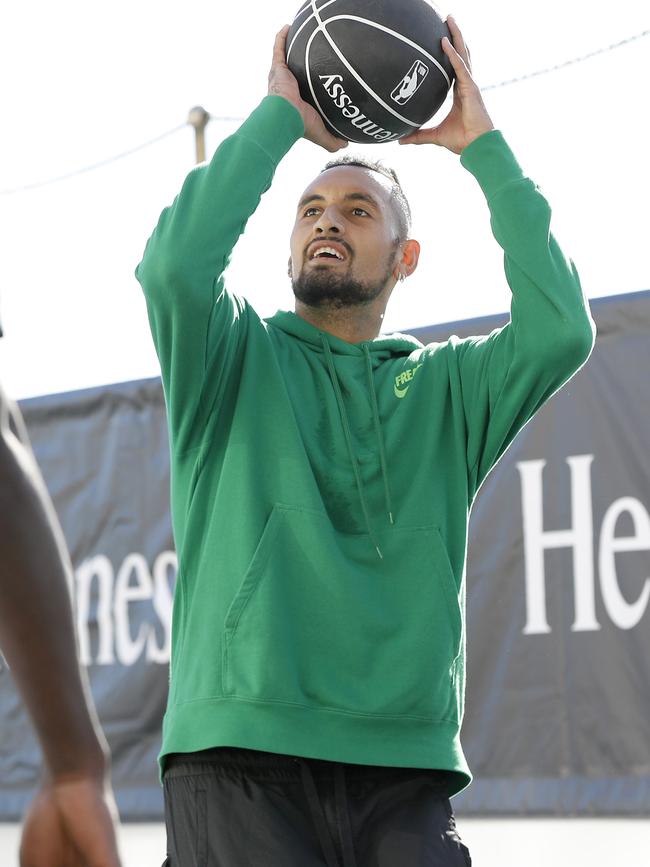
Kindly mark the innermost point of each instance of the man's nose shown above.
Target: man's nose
(331, 220)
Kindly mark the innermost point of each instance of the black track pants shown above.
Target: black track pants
(243, 808)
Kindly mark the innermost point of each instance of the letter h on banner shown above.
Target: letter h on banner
(537, 540)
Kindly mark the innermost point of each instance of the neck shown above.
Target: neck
(352, 324)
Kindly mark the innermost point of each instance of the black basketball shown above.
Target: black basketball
(374, 69)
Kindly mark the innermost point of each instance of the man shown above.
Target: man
(70, 822)
(321, 483)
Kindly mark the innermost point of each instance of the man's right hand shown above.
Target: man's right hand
(282, 82)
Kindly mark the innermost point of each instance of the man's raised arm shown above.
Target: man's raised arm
(194, 322)
(508, 375)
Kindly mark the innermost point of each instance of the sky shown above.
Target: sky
(84, 81)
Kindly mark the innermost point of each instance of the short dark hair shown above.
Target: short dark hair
(403, 209)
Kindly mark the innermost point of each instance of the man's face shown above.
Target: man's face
(344, 244)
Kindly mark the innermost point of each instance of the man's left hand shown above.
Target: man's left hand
(468, 118)
(71, 824)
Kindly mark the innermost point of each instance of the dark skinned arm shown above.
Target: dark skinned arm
(71, 820)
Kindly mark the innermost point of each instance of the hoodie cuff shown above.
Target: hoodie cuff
(275, 126)
(491, 162)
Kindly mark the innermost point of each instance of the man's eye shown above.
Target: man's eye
(311, 212)
(359, 212)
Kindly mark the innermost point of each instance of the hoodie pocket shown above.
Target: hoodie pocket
(320, 620)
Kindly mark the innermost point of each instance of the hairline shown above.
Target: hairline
(398, 200)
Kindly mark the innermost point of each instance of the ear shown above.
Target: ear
(409, 259)
(290, 269)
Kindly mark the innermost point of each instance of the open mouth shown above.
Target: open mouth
(327, 252)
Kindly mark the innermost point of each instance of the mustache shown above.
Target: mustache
(338, 241)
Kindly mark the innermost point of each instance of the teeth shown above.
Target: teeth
(329, 250)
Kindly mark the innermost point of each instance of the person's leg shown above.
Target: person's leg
(237, 808)
(403, 817)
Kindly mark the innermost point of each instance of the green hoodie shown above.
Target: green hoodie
(321, 489)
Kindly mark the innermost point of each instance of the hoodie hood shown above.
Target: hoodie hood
(382, 347)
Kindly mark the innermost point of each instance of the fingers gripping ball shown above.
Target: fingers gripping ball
(374, 69)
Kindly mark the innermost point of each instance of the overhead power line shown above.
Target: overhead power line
(91, 168)
(199, 121)
(102, 163)
(564, 64)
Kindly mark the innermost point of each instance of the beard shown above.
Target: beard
(322, 287)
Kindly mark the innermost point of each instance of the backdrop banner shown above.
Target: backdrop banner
(558, 590)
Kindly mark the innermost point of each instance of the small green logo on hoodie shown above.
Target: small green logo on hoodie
(403, 381)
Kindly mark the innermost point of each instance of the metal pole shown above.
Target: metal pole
(199, 119)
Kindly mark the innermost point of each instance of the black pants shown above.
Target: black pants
(243, 808)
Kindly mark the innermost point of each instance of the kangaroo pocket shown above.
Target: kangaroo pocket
(320, 620)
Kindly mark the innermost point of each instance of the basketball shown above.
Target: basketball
(374, 69)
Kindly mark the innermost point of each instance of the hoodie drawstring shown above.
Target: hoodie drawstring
(348, 438)
(378, 434)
